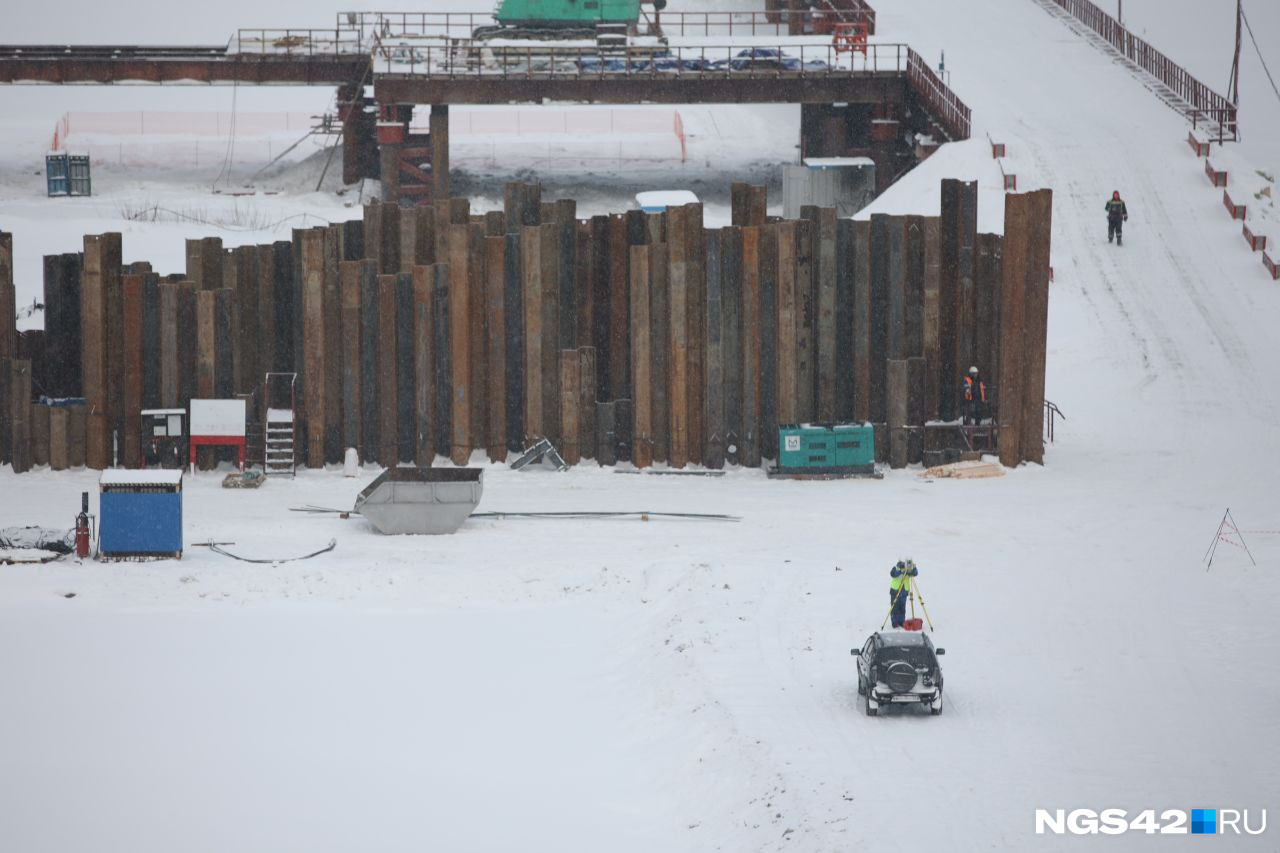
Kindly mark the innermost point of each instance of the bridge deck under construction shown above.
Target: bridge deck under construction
(871, 100)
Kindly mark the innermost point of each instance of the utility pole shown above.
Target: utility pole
(1233, 90)
(1120, 12)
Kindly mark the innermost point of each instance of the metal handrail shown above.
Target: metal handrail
(462, 24)
(375, 25)
(1203, 101)
(293, 42)
(943, 102)
(725, 61)
(702, 61)
(1051, 414)
(781, 22)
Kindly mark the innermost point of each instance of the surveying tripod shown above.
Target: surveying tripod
(912, 589)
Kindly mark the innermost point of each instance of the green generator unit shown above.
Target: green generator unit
(566, 13)
(838, 449)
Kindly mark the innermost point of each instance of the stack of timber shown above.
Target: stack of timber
(434, 332)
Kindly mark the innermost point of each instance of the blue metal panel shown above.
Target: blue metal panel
(78, 180)
(55, 170)
(141, 523)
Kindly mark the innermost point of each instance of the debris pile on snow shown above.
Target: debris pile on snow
(965, 470)
(33, 544)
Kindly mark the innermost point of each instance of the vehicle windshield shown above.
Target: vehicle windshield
(917, 656)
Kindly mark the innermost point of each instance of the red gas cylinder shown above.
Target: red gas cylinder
(82, 527)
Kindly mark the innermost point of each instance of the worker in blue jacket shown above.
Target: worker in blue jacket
(899, 582)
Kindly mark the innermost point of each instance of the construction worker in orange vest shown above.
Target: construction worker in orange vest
(975, 398)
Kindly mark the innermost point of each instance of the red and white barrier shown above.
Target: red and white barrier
(1218, 179)
(1271, 266)
(1257, 242)
(1236, 210)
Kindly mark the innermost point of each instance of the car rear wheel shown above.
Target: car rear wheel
(873, 707)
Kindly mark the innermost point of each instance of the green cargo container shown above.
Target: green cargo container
(826, 448)
(566, 13)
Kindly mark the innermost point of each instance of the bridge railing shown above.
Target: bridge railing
(1205, 104)
(538, 61)
(784, 22)
(376, 26)
(383, 26)
(297, 42)
(479, 59)
(943, 103)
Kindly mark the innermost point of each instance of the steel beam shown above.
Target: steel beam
(868, 88)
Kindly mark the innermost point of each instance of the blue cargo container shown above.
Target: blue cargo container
(140, 514)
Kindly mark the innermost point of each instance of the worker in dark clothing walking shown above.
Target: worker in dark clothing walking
(1117, 215)
(899, 584)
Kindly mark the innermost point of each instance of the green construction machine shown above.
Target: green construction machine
(562, 19)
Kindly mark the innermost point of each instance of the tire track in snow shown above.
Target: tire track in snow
(770, 813)
(1220, 332)
(1168, 266)
(1069, 210)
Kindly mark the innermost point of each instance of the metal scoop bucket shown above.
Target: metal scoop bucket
(421, 500)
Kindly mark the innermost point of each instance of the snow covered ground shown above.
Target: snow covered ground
(680, 685)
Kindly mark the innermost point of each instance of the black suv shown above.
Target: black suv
(899, 666)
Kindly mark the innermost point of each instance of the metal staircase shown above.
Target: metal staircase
(279, 424)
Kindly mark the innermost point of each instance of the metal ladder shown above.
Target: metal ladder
(279, 424)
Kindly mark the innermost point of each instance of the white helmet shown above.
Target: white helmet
(973, 369)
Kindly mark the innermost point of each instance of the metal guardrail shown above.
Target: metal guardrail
(339, 41)
(703, 61)
(373, 26)
(461, 25)
(472, 60)
(943, 103)
(754, 23)
(1051, 415)
(110, 51)
(1205, 104)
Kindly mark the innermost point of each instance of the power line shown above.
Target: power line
(229, 158)
(1258, 50)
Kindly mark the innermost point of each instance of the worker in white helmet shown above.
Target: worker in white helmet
(974, 390)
